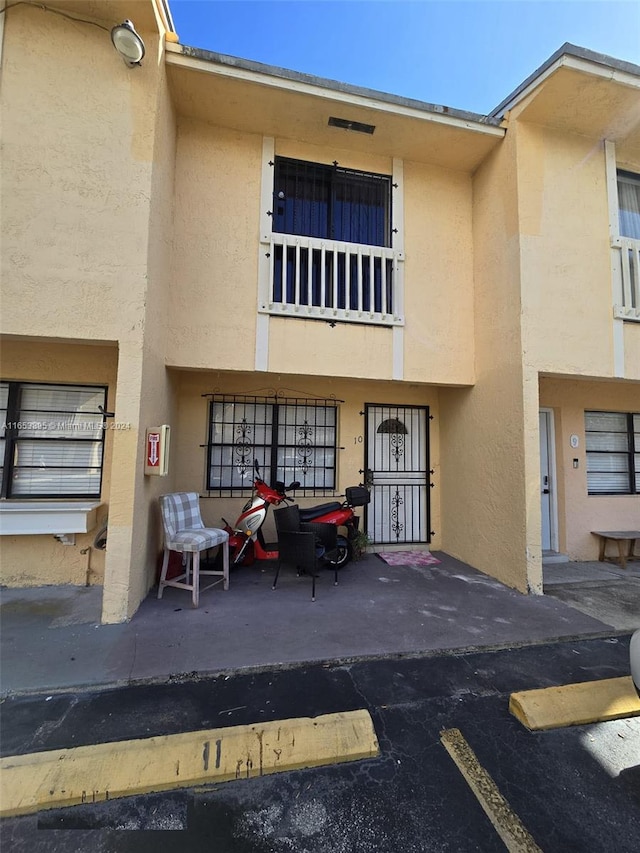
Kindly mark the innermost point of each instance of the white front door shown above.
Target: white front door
(397, 454)
(546, 481)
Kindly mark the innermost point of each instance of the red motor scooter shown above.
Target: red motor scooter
(246, 540)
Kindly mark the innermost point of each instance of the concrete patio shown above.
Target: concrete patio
(51, 637)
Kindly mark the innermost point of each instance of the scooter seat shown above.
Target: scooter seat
(316, 511)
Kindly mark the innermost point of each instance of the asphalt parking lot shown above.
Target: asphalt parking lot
(572, 789)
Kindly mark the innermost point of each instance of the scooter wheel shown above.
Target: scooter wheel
(344, 553)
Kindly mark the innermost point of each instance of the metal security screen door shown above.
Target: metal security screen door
(397, 461)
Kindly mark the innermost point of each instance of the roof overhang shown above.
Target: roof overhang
(147, 15)
(579, 91)
(270, 101)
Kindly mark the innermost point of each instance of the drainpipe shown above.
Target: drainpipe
(87, 578)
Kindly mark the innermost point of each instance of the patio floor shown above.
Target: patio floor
(51, 636)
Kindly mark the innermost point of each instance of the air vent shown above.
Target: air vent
(346, 124)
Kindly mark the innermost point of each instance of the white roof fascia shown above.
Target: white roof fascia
(586, 66)
(175, 56)
(615, 74)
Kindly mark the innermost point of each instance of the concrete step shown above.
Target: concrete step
(551, 558)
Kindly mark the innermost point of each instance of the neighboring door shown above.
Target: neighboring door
(397, 467)
(546, 481)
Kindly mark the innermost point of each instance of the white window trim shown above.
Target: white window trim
(622, 310)
(60, 518)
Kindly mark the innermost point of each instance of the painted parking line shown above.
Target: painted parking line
(575, 704)
(64, 777)
(506, 822)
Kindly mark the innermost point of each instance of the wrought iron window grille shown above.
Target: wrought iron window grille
(292, 439)
(331, 254)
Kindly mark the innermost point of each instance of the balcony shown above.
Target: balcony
(321, 279)
(626, 278)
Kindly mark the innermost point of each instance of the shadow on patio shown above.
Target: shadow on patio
(602, 590)
(51, 637)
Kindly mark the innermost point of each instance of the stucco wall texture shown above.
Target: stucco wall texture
(482, 428)
(75, 183)
(578, 512)
(213, 317)
(132, 223)
(189, 455)
(42, 560)
(566, 271)
(87, 178)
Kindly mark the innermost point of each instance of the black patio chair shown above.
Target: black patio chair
(306, 545)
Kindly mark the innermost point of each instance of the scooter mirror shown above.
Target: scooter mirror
(294, 485)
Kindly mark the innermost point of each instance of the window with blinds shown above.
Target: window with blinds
(52, 440)
(613, 453)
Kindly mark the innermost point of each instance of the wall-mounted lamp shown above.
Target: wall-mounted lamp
(128, 43)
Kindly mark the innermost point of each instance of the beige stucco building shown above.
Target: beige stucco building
(350, 286)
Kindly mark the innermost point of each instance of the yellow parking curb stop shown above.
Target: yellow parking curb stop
(575, 704)
(91, 774)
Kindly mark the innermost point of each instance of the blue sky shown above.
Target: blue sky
(467, 55)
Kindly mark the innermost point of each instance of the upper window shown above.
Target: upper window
(613, 453)
(51, 440)
(314, 200)
(629, 204)
(291, 440)
(331, 255)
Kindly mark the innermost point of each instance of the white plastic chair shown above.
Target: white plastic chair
(184, 532)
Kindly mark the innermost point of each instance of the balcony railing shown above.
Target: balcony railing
(329, 280)
(626, 271)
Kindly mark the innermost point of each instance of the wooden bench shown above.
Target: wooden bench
(621, 537)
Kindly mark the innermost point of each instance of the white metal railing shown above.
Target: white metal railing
(334, 281)
(626, 271)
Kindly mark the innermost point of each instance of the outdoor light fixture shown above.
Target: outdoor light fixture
(128, 43)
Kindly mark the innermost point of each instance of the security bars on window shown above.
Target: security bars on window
(330, 255)
(291, 438)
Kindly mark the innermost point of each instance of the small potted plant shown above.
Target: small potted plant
(360, 543)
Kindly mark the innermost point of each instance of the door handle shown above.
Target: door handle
(546, 491)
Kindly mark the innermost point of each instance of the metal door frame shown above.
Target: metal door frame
(553, 479)
(427, 464)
